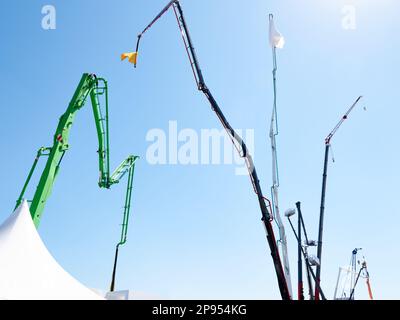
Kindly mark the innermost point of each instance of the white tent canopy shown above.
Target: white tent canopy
(27, 269)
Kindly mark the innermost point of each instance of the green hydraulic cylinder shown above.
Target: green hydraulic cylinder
(40, 153)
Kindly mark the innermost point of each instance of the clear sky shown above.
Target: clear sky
(195, 230)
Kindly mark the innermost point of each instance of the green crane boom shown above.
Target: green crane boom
(97, 89)
(128, 166)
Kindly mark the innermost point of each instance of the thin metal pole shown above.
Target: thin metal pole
(321, 219)
(322, 209)
(299, 258)
(112, 287)
(310, 286)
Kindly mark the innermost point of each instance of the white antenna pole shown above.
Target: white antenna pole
(282, 243)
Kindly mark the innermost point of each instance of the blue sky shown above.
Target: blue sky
(196, 230)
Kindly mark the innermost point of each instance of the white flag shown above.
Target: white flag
(276, 40)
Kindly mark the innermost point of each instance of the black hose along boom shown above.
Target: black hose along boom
(235, 138)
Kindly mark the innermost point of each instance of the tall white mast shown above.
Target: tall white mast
(277, 41)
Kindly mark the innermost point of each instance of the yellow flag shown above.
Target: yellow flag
(131, 56)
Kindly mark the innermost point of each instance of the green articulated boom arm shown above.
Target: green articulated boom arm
(96, 88)
(128, 166)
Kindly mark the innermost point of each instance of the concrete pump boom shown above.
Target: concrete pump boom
(235, 138)
(274, 131)
(128, 166)
(97, 89)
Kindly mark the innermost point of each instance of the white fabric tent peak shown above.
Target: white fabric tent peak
(27, 269)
